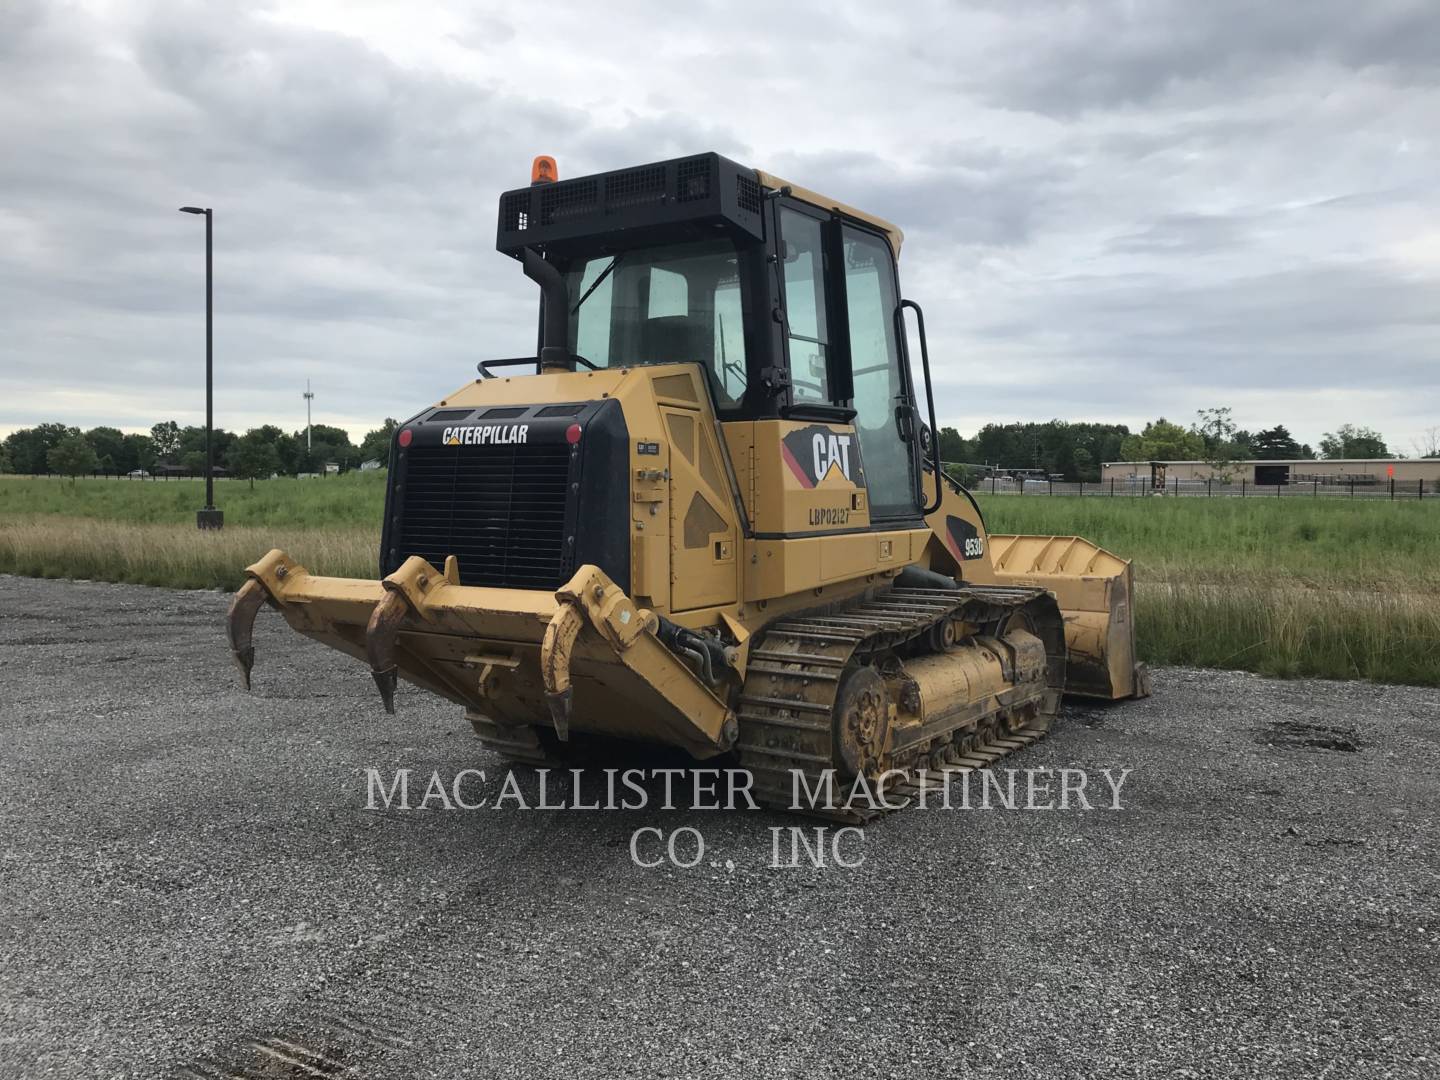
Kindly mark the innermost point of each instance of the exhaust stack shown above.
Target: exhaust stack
(554, 353)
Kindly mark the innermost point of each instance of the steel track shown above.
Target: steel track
(786, 707)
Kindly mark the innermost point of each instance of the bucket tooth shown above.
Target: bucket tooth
(555, 652)
(240, 624)
(384, 624)
(560, 705)
(386, 682)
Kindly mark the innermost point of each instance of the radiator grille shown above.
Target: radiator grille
(500, 510)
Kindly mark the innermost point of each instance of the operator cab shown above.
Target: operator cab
(788, 301)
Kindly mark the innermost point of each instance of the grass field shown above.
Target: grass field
(1327, 588)
(144, 531)
(353, 499)
(1326, 543)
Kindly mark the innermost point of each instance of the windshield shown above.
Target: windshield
(674, 303)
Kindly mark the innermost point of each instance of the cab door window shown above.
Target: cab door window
(805, 321)
(879, 383)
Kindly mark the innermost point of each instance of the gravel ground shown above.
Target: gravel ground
(193, 885)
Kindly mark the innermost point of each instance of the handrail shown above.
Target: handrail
(935, 467)
(484, 366)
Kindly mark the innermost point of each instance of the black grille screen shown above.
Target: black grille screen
(515, 211)
(747, 194)
(500, 510)
(703, 190)
(645, 184)
(559, 201)
(693, 179)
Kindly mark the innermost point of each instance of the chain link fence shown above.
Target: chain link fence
(1140, 487)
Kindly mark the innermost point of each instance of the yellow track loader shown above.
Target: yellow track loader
(710, 514)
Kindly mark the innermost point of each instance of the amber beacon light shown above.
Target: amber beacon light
(543, 170)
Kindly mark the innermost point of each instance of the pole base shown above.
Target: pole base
(210, 518)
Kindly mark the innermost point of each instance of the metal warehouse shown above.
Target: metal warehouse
(1299, 471)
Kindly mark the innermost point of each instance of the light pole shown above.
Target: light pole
(309, 397)
(208, 518)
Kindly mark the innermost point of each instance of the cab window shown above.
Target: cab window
(672, 303)
(870, 303)
(805, 302)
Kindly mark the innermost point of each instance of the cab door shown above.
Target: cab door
(841, 299)
(878, 379)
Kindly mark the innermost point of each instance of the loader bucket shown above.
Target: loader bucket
(583, 656)
(1094, 588)
(1095, 591)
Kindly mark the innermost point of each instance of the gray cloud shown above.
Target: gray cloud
(1113, 53)
(966, 194)
(1111, 213)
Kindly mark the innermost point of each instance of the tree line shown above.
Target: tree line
(260, 452)
(1075, 452)
(1072, 451)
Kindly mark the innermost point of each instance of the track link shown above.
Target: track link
(786, 708)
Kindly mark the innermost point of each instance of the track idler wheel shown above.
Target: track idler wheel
(862, 722)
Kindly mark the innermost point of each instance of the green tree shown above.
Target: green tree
(1217, 432)
(6, 465)
(1276, 444)
(165, 440)
(109, 446)
(1349, 441)
(72, 456)
(253, 456)
(192, 442)
(286, 447)
(376, 444)
(140, 451)
(327, 444)
(29, 447)
(1050, 446)
(1163, 441)
(953, 446)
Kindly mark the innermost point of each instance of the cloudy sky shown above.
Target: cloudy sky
(1113, 210)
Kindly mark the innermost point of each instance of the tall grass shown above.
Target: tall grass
(1328, 543)
(1286, 587)
(1289, 631)
(177, 556)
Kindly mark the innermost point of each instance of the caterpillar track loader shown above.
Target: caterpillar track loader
(707, 512)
